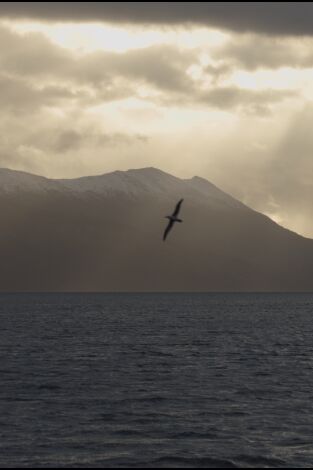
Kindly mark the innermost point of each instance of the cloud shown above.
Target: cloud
(159, 73)
(163, 67)
(251, 52)
(61, 141)
(258, 102)
(68, 146)
(46, 93)
(274, 18)
(108, 75)
(20, 96)
(30, 54)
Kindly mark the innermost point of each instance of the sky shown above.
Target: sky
(221, 90)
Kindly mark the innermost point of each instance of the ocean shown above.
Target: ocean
(156, 380)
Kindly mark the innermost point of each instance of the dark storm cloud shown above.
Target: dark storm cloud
(286, 18)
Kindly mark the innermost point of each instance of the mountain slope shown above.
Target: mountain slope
(104, 233)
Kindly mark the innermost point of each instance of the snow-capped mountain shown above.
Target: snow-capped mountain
(18, 181)
(131, 183)
(104, 233)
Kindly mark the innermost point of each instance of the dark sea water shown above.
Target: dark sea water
(156, 380)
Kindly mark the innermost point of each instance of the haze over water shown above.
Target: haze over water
(172, 380)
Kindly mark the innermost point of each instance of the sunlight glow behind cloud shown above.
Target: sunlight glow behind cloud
(92, 37)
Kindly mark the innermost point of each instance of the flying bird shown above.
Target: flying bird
(172, 219)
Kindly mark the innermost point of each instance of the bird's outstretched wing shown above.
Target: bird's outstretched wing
(168, 229)
(177, 208)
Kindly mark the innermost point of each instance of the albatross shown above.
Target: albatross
(172, 219)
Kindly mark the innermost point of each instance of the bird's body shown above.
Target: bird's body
(172, 219)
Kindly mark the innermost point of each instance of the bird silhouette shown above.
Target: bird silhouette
(172, 219)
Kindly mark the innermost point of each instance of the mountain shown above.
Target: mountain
(104, 233)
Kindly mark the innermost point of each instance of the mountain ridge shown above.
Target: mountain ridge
(201, 184)
(104, 233)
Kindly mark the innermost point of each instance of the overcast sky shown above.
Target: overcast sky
(220, 90)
